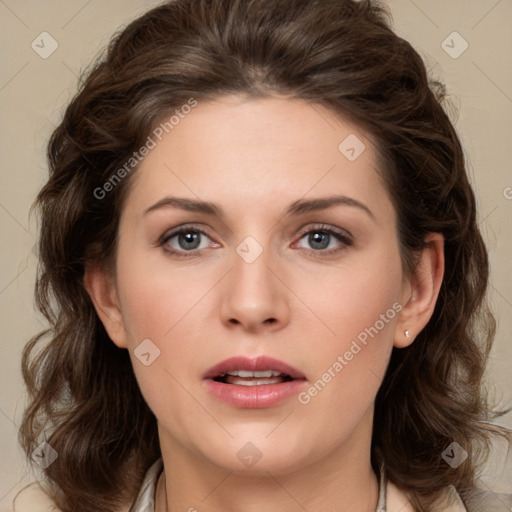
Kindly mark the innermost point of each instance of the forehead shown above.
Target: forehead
(242, 150)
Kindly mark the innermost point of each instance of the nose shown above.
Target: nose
(255, 297)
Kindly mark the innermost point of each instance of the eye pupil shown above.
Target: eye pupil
(190, 240)
(319, 240)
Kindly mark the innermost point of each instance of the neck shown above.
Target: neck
(342, 480)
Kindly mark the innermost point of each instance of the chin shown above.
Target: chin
(256, 454)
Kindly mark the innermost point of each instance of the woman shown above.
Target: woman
(262, 270)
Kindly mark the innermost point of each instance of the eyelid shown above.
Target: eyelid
(345, 235)
(179, 229)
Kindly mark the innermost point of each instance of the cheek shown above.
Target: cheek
(360, 309)
(155, 306)
(158, 308)
(358, 297)
(154, 296)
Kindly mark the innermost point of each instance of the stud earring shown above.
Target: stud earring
(407, 334)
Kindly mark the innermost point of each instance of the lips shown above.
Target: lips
(257, 383)
(257, 366)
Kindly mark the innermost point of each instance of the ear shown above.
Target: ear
(101, 286)
(420, 292)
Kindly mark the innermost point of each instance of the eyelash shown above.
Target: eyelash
(342, 236)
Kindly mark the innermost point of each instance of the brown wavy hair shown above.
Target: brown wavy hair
(342, 54)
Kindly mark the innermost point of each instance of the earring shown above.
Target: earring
(407, 334)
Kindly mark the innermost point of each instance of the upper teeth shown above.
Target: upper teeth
(245, 373)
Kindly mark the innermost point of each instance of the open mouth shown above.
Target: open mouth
(253, 383)
(249, 378)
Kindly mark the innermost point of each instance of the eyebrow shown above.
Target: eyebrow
(298, 207)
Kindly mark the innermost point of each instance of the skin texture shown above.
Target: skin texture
(254, 157)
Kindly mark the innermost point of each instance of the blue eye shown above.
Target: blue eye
(187, 240)
(326, 239)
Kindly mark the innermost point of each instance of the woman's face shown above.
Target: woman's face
(265, 269)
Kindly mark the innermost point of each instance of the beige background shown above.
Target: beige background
(34, 91)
